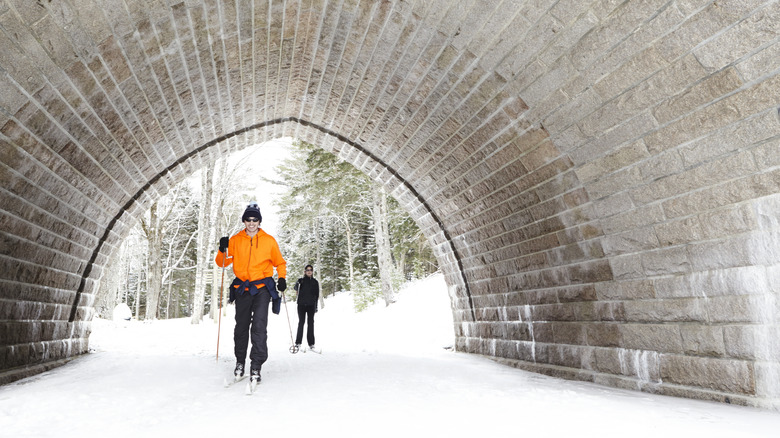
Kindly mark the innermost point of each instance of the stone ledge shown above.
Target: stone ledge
(628, 383)
(14, 374)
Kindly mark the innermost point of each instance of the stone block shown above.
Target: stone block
(518, 332)
(767, 376)
(505, 349)
(766, 154)
(623, 157)
(569, 333)
(679, 232)
(623, 130)
(577, 293)
(761, 63)
(612, 205)
(632, 72)
(661, 165)
(625, 290)
(603, 335)
(738, 136)
(700, 25)
(668, 310)
(663, 338)
(735, 309)
(607, 361)
(701, 340)
(723, 254)
(635, 241)
(734, 281)
(630, 219)
(542, 332)
(611, 311)
(641, 364)
(726, 375)
(739, 40)
(728, 222)
(713, 87)
(554, 312)
(753, 342)
(568, 356)
(666, 261)
(526, 352)
(709, 174)
(626, 267)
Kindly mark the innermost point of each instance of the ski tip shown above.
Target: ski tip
(250, 388)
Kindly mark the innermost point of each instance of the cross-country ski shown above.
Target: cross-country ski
(251, 386)
(232, 380)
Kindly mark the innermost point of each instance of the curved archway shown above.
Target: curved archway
(203, 149)
(606, 172)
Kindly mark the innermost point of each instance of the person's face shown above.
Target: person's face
(252, 224)
(309, 272)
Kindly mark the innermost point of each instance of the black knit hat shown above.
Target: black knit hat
(252, 210)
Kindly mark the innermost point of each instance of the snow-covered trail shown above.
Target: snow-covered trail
(382, 373)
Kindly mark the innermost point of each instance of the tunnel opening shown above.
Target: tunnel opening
(605, 172)
(129, 205)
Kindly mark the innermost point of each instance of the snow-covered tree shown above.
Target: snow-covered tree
(332, 214)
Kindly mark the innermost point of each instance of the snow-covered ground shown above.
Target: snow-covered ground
(383, 372)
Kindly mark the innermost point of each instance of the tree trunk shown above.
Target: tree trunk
(138, 296)
(319, 259)
(218, 227)
(350, 253)
(382, 237)
(168, 301)
(154, 235)
(203, 243)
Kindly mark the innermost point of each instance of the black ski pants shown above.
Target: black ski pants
(305, 311)
(252, 319)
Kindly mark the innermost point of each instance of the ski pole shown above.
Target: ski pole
(221, 287)
(293, 347)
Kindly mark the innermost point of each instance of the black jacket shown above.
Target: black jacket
(308, 291)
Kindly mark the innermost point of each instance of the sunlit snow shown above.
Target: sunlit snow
(383, 372)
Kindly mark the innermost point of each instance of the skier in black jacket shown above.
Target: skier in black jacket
(308, 293)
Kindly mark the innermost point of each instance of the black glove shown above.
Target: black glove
(281, 284)
(223, 244)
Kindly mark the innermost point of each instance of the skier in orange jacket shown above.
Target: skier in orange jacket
(254, 255)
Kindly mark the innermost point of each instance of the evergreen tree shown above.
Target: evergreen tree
(328, 216)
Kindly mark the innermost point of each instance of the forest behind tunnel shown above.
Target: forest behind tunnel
(320, 209)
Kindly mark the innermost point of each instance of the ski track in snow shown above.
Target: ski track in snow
(383, 372)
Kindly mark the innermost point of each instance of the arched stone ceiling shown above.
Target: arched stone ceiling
(569, 160)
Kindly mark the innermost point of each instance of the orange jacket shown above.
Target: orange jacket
(253, 258)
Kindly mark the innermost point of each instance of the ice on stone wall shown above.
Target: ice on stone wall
(767, 238)
(641, 364)
(526, 317)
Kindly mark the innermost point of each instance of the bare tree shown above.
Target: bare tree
(155, 228)
(382, 238)
(221, 195)
(175, 257)
(204, 232)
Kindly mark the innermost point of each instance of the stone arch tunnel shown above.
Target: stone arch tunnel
(599, 178)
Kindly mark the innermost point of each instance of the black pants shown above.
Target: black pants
(305, 312)
(252, 318)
